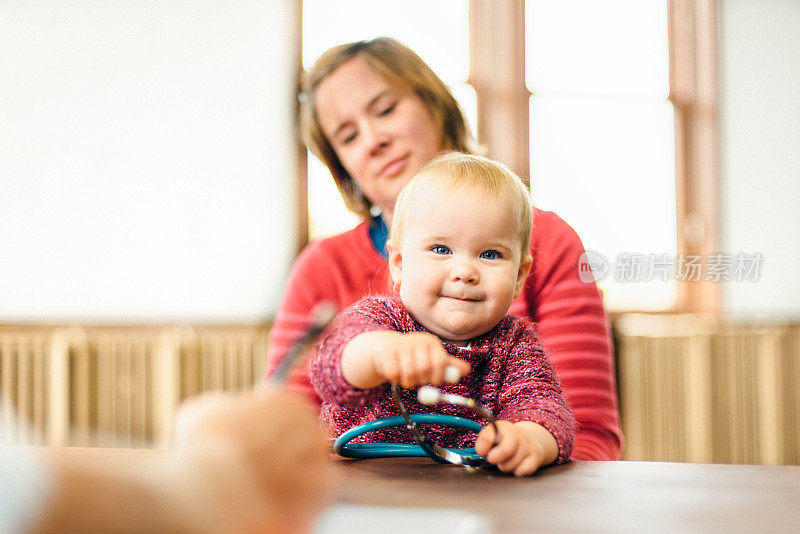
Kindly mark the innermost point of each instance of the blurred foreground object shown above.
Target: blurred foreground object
(255, 462)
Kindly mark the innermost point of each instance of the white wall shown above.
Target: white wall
(760, 150)
(146, 159)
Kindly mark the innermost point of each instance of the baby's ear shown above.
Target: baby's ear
(395, 264)
(522, 274)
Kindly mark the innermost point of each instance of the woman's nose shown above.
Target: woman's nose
(376, 139)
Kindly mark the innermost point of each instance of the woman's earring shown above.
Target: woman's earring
(375, 211)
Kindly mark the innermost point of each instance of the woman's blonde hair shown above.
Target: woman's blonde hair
(397, 64)
(454, 171)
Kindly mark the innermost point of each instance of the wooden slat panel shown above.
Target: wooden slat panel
(697, 376)
(24, 383)
(704, 391)
(57, 390)
(8, 383)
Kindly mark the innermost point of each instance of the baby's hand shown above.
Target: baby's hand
(373, 358)
(524, 447)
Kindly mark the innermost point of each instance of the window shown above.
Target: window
(607, 90)
(609, 107)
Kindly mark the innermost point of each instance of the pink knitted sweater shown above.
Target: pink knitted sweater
(510, 375)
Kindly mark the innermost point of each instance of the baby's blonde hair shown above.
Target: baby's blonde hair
(453, 171)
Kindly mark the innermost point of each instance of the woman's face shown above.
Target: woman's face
(382, 132)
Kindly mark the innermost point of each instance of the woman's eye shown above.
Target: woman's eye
(387, 110)
(440, 249)
(347, 139)
(490, 255)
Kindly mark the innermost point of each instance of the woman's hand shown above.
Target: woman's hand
(522, 449)
(372, 358)
(250, 462)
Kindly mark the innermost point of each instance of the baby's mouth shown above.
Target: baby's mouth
(461, 298)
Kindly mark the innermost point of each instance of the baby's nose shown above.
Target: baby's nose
(464, 271)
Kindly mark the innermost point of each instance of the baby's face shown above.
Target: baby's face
(459, 263)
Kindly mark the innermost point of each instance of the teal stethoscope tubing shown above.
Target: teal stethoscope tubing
(396, 450)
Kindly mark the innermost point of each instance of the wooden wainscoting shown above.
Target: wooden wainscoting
(118, 386)
(698, 389)
(692, 388)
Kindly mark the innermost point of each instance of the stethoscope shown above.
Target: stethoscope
(428, 395)
(425, 446)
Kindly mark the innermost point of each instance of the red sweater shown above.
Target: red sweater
(510, 375)
(569, 314)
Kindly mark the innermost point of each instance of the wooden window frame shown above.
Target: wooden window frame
(301, 153)
(694, 95)
(497, 72)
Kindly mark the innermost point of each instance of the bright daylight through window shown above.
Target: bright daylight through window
(602, 134)
(602, 138)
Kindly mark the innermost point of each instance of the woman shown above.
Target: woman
(375, 113)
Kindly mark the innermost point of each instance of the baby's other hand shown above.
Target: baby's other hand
(523, 448)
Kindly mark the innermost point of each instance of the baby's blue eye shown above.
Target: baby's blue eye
(490, 255)
(440, 249)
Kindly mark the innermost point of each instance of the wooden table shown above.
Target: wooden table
(573, 498)
(587, 496)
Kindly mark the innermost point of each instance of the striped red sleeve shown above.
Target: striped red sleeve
(574, 329)
(293, 320)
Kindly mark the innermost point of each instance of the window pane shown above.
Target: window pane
(437, 31)
(607, 167)
(602, 138)
(614, 47)
(327, 214)
(440, 37)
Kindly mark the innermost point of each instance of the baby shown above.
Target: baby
(458, 255)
